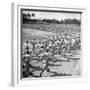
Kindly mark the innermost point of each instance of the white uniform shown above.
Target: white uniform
(27, 45)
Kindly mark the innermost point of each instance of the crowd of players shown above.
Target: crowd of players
(50, 46)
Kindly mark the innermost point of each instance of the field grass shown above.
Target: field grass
(53, 27)
(29, 34)
(40, 31)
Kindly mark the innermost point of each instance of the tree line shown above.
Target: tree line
(30, 18)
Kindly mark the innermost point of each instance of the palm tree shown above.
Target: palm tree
(28, 15)
(33, 15)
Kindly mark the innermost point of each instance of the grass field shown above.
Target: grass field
(39, 31)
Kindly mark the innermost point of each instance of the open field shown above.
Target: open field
(39, 31)
(29, 34)
(53, 27)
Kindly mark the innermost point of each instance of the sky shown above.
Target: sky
(54, 15)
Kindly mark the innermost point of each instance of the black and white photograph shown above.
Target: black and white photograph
(50, 43)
